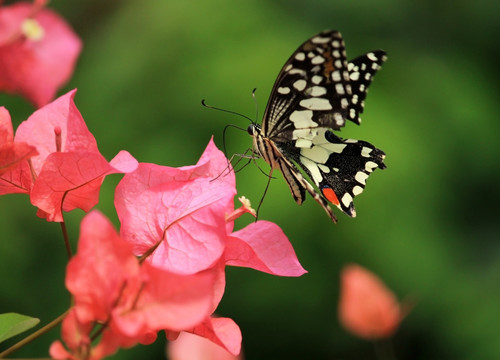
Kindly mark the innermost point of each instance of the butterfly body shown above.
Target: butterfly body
(316, 92)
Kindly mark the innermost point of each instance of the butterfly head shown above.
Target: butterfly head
(254, 129)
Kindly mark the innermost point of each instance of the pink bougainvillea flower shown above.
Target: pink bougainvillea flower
(182, 219)
(367, 308)
(189, 346)
(38, 51)
(11, 153)
(134, 300)
(69, 170)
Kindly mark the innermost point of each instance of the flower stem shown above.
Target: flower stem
(66, 239)
(35, 335)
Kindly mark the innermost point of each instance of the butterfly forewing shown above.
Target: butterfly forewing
(312, 89)
(361, 72)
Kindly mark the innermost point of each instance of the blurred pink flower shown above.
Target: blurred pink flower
(367, 308)
(38, 51)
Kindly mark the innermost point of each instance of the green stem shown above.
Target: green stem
(35, 335)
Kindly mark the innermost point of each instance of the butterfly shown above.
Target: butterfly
(317, 91)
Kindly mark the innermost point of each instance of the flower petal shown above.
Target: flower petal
(263, 246)
(96, 274)
(221, 331)
(39, 130)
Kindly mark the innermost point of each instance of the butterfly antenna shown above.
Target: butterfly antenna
(225, 110)
(256, 105)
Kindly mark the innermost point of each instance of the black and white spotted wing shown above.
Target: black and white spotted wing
(316, 92)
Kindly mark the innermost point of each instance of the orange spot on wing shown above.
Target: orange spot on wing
(330, 195)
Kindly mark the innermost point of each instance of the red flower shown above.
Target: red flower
(110, 286)
(11, 153)
(367, 308)
(69, 170)
(38, 51)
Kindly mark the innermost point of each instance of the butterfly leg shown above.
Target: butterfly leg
(270, 176)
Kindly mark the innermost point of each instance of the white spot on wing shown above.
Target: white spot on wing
(365, 151)
(302, 119)
(338, 119)
(316, 104)
(357, 190)
(370, 166)
(320, 40)
(300, 56)
(316, 79)
(303, 143)
(296, 71)
(313, 169)
(300, 84)
(344, 103)
(361, 177)
(317, 91)
(317, 60)
(354, 76)
(346, 200)
(284, 90)
(339, 88)
(371, 56)
(324, 168)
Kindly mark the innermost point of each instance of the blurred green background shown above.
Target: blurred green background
(427, 225)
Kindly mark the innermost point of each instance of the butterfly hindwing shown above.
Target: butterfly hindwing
(338, 167)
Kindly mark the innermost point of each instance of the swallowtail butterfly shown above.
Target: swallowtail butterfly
(316, 92)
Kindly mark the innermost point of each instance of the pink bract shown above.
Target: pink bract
(12, 154)
(189, 346)
(68, 171)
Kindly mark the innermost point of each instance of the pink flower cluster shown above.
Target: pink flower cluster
(165, 270)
